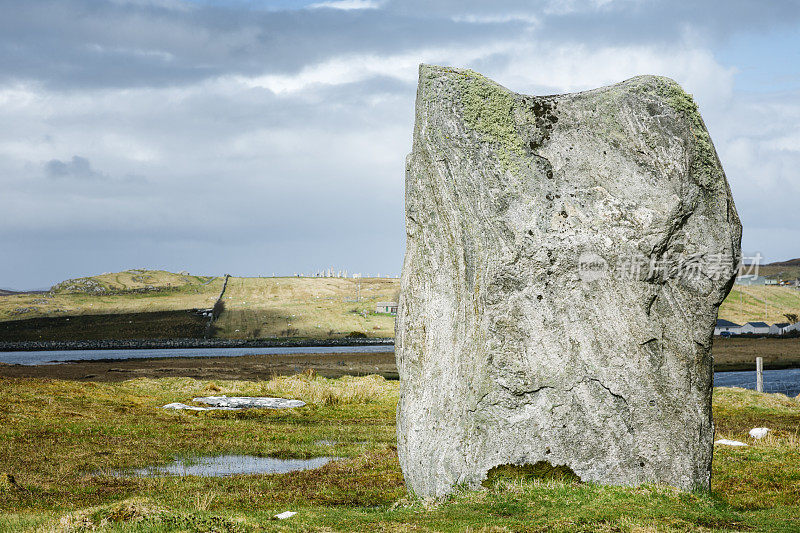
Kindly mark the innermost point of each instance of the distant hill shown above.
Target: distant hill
(131, 291)
(789, 263)
(781, 269)
(747, 303)
(134, 280)
(254, 307)
(9, 292)
(267, 307)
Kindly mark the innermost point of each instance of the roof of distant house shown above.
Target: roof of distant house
(782, 324)
(726, 324)
(758, 324)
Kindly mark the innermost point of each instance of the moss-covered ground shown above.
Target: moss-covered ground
(60, 439)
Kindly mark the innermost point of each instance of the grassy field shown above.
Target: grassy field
(287, 307)
(739, 353)
(61, 438)
(746, 304)
(132, 291)
(306, 307)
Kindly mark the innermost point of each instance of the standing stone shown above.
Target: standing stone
(566, 257)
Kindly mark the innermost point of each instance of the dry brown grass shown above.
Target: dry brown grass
(307, 387)
(101, 517)
(306, 307)
(346, 390)
(176, 293)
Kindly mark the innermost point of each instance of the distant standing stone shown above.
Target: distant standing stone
(566, 257)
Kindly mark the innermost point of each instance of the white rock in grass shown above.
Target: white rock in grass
(759, 433)
(234, 403)
(249, 402)
(285, 514)
(726, 442)
(182, 406)
(177, 405)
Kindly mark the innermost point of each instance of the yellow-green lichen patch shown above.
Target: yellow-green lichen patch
(489, 111)
(704, 165)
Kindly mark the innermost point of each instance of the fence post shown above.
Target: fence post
(760, 374)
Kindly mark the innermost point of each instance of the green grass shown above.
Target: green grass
(58, 435)
(746, 304)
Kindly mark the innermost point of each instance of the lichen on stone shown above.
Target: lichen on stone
(489, 111)
(704, 164)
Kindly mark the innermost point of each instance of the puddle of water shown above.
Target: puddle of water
(229, 465)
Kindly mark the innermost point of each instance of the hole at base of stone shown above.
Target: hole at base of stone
(537, 471)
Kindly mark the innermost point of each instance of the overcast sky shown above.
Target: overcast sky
(270, 136)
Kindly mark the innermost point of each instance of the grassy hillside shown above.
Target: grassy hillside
(745, 304)
(782, 269)
(134, 280)
(306, 307)
(288, 307)
(61, 439)
(132, 291)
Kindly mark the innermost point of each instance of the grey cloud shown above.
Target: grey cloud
(240, 179)
(78, 167)
(111, 45)
(81, 43)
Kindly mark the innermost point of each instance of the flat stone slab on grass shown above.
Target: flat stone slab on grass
(229, 465)
(235, 403)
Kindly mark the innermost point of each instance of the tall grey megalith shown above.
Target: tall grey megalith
(566, 257)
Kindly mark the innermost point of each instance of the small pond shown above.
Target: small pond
(229, 465)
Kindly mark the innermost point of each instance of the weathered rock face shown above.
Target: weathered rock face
(566, 256)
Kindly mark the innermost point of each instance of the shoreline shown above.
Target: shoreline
(730, 355)
(162, 344)
(240, 367)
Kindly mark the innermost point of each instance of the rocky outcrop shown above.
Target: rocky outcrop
(566, 257)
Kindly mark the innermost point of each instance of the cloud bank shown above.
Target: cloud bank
(261, 137)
